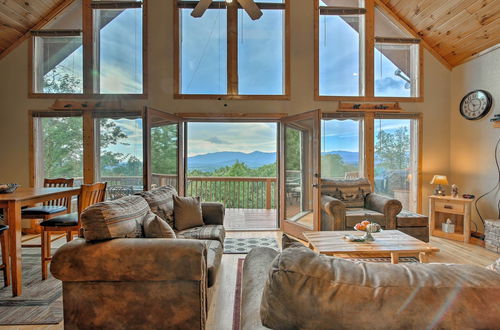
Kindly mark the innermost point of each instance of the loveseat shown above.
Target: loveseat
(115, 278)
(347, 202)
(299, 289)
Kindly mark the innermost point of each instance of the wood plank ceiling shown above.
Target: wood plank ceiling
(18, 17)
(456, 29)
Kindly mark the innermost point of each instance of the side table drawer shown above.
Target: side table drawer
(449, 206)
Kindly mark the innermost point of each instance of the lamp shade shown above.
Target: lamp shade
(439, 179)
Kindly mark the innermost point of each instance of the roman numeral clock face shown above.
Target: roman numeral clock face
(475, 105)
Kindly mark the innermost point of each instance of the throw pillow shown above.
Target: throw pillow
(290, 242)
(121, 218)
(156, 227)
(187, 212)
(161, 203)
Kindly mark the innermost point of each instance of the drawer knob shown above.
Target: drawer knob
(449, 207)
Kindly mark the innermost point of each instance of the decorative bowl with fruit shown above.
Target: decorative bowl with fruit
(369, 228)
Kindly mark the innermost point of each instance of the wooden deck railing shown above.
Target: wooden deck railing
(234, 192)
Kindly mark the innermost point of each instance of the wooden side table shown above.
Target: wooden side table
(458, 210)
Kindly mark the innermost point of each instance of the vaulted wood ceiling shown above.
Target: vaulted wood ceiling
(455, 29)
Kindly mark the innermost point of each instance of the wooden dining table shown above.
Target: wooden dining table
(12, 204)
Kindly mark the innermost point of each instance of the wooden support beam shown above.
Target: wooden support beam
(369, 48)
(89, 147)
(53, 13)
(232, 48)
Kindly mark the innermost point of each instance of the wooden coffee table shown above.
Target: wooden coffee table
(387, 242)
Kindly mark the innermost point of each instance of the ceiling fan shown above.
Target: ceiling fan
(249, 5)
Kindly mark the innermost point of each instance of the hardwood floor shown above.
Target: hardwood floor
(251, 219)
(222, 302)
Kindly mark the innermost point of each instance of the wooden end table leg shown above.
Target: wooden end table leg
(14, 222)
(423, 257)
(394, 257)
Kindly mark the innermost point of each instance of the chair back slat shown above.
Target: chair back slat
(91, 194)
(59, 183)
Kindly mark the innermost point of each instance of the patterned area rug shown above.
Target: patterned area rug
(244, 245)
(41, 301)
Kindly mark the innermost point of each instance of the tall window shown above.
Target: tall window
(341, 38)
(225, 52)
(58, 143)
(64, 62)
(203, 69)
(363, 54)
(58, 54)
(342, 148)
(396, 59)
(396, 159)
(118, 47)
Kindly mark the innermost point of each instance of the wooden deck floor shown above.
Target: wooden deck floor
(251, 219)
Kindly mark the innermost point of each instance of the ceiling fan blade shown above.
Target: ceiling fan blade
(251, 8)
(200, 8)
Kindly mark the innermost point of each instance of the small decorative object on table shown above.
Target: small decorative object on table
(7, 188)
(454, 191)
(366, 226)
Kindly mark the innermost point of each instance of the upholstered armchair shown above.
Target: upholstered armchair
(347, 202)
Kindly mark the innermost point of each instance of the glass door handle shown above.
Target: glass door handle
(316, 185)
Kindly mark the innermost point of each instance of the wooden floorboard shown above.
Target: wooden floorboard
(220, 316)
(251, 219)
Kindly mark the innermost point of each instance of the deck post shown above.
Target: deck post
(268, 193)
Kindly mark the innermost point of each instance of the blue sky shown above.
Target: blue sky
(204, 59)
(120, 56)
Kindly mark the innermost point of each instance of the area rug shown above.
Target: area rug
(239, 277)
(244, 245)
(40, 302)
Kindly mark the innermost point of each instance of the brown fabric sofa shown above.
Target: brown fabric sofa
(299, 289)
(347, 202)
(118, 279)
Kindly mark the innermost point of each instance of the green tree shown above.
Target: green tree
(392, 150)
(333, 166)
(59, 82)
(164, 149)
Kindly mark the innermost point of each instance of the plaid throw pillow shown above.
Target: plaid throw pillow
(115, 219)
(161, 203)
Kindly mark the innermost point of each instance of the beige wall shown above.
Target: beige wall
(14, 103)
(472, 156)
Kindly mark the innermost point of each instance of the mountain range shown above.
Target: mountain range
(211, 161)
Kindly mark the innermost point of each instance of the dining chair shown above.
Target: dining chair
(68, 223)
(4, 243)
(51, 208)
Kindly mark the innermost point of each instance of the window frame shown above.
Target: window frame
(232, 54)
(368, 54)
(89, 56)
(368, 147)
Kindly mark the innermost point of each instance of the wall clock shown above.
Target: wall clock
(476, 104)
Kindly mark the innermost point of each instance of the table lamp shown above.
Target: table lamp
(439, 180)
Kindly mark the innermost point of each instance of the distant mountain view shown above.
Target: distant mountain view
(211, 161)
